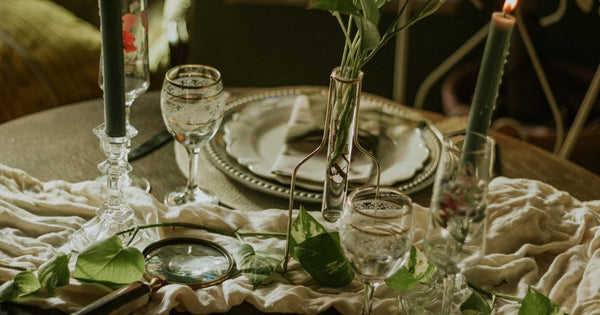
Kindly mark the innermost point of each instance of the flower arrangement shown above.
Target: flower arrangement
(461, 202)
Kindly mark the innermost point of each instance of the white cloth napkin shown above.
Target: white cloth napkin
(537, 236)
(312, 173)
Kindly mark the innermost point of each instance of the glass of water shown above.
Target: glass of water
(192, 103)
(376, 233)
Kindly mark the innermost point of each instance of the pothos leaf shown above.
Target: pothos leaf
(423, 269)
(380, 3)
(342, 6)
(536, 303)
(55, 272)
(370, 36)
(402, 280)
(25, 282)
(109, 262)
(370, 10)
(322, 257)
(258, 265)
(303, 228)
(476, 304)
(417, 269)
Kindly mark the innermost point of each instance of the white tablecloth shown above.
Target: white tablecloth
(537, 236)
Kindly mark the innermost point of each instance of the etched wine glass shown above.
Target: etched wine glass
(135, 63)
(455, 232)
(192, 103)
(376, 232)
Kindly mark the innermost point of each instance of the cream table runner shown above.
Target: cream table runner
(537, 236)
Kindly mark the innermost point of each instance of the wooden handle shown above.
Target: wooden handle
(122, 301)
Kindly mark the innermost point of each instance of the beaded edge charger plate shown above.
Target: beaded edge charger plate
(217, 147)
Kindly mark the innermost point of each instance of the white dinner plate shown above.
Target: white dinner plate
(250, 138)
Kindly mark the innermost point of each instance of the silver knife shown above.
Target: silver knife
(152, 144)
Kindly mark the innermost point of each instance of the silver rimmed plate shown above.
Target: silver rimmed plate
(252, 170)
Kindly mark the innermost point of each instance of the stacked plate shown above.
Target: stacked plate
(252, 137)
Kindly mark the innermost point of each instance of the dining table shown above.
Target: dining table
(58, 144)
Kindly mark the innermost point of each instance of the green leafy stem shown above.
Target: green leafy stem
(235, 234)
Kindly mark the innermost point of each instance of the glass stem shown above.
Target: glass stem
(192, 182)
(448, 290)
(369, 291)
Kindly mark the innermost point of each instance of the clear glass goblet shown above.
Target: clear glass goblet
(455, 233)
(376, 232)
(135, 64)
(192, 102)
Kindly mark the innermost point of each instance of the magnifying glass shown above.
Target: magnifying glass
(194, 262)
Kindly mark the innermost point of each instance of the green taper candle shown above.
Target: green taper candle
(112, 54)
(490, 73)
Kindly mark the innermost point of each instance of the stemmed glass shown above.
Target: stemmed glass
(376, 232)
(192, 102)
(455, 233)
(135, 59)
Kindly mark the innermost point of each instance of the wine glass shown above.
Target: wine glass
(135, 63)
(192, 102)
(455, 233)
(376, 232)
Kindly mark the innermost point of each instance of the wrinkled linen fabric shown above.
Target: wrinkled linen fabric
(537, 236)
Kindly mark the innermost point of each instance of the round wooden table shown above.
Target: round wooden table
(59, 144)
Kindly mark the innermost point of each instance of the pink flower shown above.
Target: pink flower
(128, 21)
(128, 42)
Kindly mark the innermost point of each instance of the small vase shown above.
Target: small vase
(342, 101)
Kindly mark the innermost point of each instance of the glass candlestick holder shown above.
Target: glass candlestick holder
(114, 215)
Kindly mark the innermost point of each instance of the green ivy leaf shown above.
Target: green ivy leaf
(380, 3)
(423, 269)
(55, 272)
(370, 10)
(25, 282)
(536, 303)
(476, 304)
(417, 269)
(258, 265)
(109, 262)
(322, 257)
(370, 36)
(303, 228)
(342, 6)
(402, 280)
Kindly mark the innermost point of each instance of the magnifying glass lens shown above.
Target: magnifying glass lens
(188, 263)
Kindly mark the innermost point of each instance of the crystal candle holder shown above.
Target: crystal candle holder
(114, 215)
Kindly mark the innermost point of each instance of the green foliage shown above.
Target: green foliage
(536, 303)
(303, 228)
(24, 283)
(322, 257)
(109, 262)
(259, 265)
(476, 304)
(55, 272)
(343, 6)
(417, 269)
(402, 280)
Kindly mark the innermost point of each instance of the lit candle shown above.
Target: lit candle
(112, 54)
(492, 67)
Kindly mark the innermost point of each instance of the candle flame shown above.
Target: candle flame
(509, 6)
